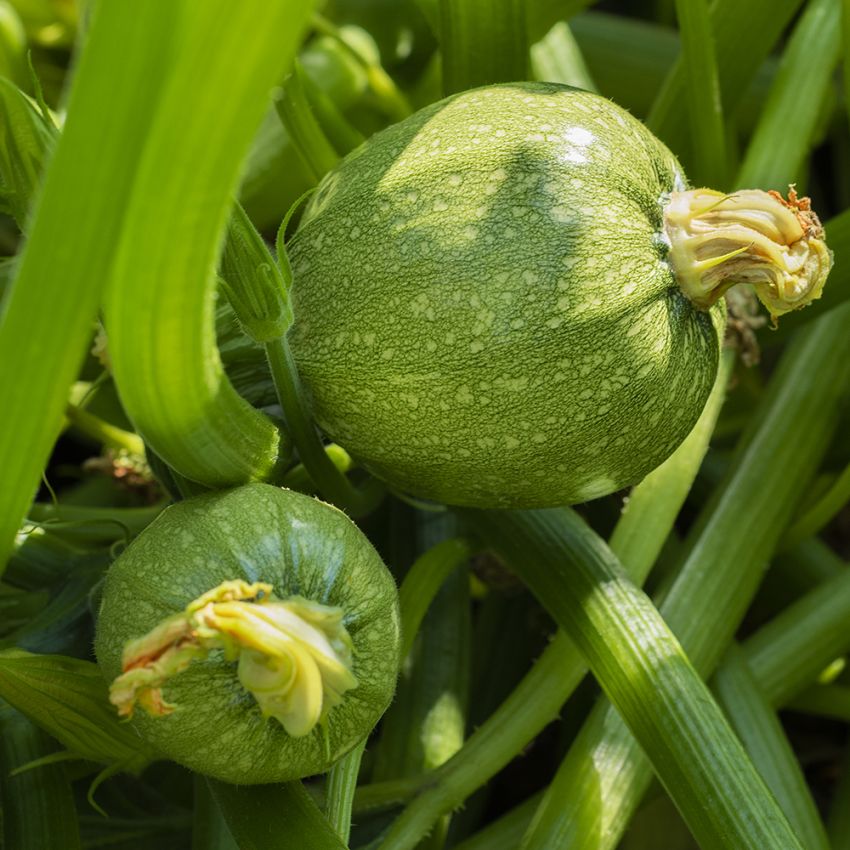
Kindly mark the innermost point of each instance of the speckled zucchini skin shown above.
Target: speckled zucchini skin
(484, 312)
(257, 533)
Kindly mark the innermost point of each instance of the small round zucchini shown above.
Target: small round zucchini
(512, 299)
(252, 635)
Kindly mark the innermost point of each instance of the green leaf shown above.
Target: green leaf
(744, 34)
(38, 805)
(303, 127)
(137, 195)
(68, 698)
(705, 110)
(557, 58)
(785, 131)
(26, 141)
(482, 42)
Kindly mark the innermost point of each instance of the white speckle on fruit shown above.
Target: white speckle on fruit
(455, 180)
(476, 345)
(574, 156)
(440, 205)
(579, 136)
(563, 215)
(388, 354)
(470, 232)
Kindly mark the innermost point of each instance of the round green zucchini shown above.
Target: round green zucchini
(486, 308)
(259, 568)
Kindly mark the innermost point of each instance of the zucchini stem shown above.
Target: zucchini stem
(752, 237)
(332, 483)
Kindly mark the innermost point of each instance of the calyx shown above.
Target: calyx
(294, 656)
(753, 237)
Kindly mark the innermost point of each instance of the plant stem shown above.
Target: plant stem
(422, 582)
(643, 670)
(108, 435)
(332, 484)
(789, 652)
(756, 724)
(342, 780)
(821, 512)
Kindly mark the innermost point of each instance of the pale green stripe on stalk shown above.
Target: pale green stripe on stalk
(705, 109)
(638, 537)
(845, 42)
(303, 128)
(482, 41)
(605, 774)
(756, 724)
(784, 134)
(71, 245)
(643, 670)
